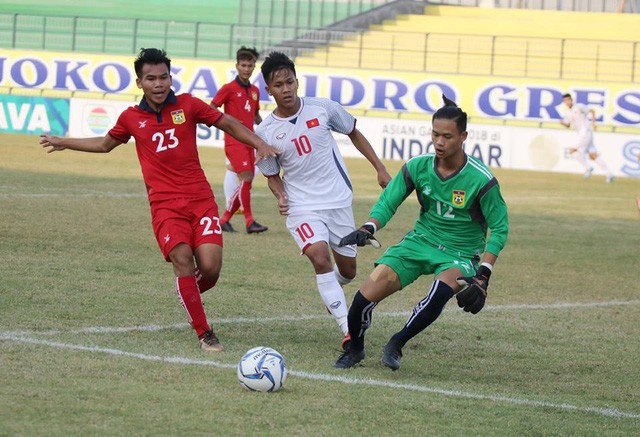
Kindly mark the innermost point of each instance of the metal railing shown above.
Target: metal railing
(259, 21)
(550, 58)
(307, 14)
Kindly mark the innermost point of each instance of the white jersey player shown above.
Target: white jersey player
(314, 191)
(582, 120)
(315, 175)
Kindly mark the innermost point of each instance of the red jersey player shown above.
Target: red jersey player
(241, 100)
(183, 209)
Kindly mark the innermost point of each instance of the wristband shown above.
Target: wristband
(487, 265)
(371, 227)
(484, 270)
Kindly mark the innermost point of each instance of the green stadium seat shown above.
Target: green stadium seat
(7, 21)
(30, 40)
(59, 41)
(119, 43)
(89, 43)
(33, 23)
(183, 48)
(6, 38)
(120, 27)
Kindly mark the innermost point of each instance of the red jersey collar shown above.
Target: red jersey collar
(171, 98)
(241, 83)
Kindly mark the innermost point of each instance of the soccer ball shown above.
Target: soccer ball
(262, 369)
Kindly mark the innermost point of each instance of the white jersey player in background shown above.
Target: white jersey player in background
(583, 121)
(314, 191)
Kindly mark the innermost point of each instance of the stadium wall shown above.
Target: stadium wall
(488, 101)
(539, 100)
(501, 146)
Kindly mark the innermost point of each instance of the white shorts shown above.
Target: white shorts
(585, 143)
(329, 225)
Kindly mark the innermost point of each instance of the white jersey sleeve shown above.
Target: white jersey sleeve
(339, 119)
(269, 166)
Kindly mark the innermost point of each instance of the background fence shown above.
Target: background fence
(325, 33)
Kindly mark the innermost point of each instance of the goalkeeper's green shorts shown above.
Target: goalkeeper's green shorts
(414, 256)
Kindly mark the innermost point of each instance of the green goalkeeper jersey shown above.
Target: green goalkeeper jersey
(456, 211)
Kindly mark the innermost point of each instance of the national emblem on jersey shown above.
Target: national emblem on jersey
(458, 197)
(178, 116)
(313, 123)
(254, 95)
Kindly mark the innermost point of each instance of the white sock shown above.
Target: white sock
(603, 166)
(341, 279)
(230, 185)
(333, 298)
(581, 157)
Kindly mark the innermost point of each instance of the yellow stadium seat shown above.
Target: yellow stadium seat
(501, 41)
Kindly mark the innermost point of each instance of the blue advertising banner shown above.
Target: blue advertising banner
(34, 115)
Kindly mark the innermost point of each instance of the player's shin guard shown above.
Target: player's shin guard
(603, 165)
(360, 314)
(230, 186)
(189, 296)
(341, 279)
(333, 298)
(425, 313)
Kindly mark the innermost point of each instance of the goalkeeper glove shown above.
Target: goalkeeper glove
(473, 297)
(361, 237)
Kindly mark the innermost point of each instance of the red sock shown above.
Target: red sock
(189, 295)
(245, 201)
(204, 284)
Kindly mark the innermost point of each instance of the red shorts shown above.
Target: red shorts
(190, 221)
(241, 157)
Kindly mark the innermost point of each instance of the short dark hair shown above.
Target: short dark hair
(451, 111)
(150, 56)
(276, 61)
(567, 96)
(249, 53)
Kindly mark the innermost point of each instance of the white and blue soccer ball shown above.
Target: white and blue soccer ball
(262, 369)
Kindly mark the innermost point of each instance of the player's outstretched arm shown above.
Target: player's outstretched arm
(92, 145)
(362, 144)
(240, 132)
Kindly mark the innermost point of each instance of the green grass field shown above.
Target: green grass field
(94, 341)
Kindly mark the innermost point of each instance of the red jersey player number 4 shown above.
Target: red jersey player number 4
(240, 99)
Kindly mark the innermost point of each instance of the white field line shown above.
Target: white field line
(236, 320)
(609, 412)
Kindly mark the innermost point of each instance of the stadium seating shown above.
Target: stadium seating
(446, 39)
(195, 28)
(500, 41)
